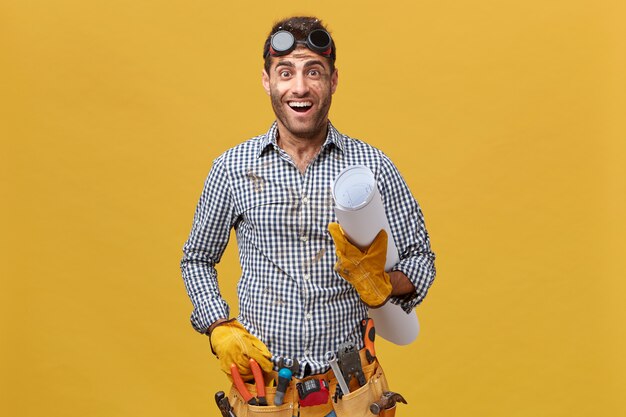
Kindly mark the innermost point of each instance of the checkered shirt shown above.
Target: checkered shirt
(289, 295)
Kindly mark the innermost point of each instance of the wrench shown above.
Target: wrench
(224, 405)
(332, 361)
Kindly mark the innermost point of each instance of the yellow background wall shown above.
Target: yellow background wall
(505, 117)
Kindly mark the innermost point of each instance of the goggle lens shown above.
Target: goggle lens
(282, 41)
(319, 40)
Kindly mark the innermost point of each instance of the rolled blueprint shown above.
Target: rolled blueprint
(361, 214)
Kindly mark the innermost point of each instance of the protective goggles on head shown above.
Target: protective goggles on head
(318, 41)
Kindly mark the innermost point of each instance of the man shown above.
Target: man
(304, 287)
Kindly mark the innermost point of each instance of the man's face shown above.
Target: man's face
(301, 86)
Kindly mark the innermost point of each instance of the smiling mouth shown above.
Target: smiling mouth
(300, 106)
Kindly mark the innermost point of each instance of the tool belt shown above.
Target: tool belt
(354, 404)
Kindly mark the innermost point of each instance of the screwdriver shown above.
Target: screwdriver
(284, 376)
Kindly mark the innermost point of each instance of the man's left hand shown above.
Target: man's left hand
(364, 270)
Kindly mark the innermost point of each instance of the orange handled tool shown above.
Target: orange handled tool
(241, 386)
(369, 333)
(259, 381)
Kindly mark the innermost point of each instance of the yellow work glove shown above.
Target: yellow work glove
(364, 270)
(232, 343)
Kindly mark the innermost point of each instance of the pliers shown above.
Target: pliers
(258, 379)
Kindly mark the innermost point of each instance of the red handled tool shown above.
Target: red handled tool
(241, 386)
(259, 381)
(368, 331)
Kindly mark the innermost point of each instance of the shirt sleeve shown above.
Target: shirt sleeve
(406, 220)
(204, 248)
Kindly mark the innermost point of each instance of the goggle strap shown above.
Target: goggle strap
(272, 52)
(327, 52)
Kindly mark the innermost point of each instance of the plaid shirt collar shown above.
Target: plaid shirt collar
(333, 137)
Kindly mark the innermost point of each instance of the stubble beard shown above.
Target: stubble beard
(311, 129)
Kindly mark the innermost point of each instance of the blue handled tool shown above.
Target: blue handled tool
(284, 377)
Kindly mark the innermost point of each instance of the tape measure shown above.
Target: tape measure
(313, 392)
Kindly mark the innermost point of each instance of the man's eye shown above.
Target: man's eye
(314, 73)
(285, 74)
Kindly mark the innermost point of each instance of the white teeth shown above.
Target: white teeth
(300, 104)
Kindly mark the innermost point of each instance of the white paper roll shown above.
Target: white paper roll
(359, 209)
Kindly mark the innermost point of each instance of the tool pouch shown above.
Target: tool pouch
(243, 409)
(357, 403)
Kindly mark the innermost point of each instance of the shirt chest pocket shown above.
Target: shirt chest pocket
(266, 214)
(289, 212)
(267, 210)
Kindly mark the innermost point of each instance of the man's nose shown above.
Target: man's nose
(300, 85)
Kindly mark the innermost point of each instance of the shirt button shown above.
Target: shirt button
(308, 316)
(305, 199)
(303, 238)
(306, 277)
(307, 352)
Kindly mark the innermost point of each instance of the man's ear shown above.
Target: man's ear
(265, 79)
(334, 79)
